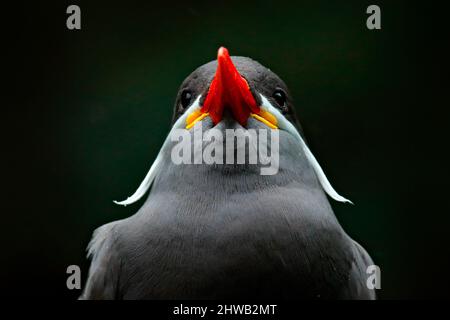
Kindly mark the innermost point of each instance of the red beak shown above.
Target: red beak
(230, 90)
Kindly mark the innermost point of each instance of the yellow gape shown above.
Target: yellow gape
(267, 118)
(194, 117)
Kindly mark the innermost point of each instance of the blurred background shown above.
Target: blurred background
(87, 111)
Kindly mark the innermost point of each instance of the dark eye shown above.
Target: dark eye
(280, 97)
(186, 97)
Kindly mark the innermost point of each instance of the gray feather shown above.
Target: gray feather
(225, 231)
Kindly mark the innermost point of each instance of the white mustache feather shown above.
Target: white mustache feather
(283, 123)
(147, 182)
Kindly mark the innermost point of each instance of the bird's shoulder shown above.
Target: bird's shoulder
(105, 263)
(101, 236)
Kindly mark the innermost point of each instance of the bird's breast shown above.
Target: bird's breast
(277, 240)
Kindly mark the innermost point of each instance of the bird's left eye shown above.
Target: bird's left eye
(186, 97)
(280, 98)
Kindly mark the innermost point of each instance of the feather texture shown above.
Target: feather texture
(151, 174)
(286, 125)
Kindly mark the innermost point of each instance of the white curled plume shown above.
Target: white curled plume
(147, 182)
(284, 124)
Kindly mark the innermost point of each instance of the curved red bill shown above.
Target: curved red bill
(229, 90)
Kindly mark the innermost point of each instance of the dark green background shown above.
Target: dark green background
(89, 110)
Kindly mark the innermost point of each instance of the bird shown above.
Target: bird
(226, 231)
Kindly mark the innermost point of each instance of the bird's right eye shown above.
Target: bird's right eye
(186, 97)
(280, 98)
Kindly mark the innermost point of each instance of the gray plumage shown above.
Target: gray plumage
(225, 231)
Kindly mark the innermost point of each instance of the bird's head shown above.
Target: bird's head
(236, 92)
(236, 87)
